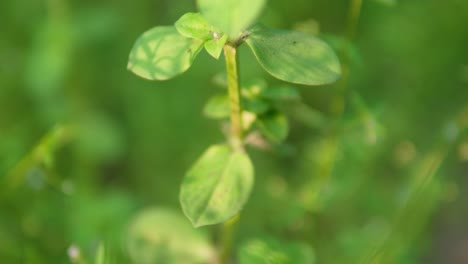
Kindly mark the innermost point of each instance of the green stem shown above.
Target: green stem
(338, 106)
(227, 239)
(236, 139)
(353, 18)
(354, 14)
(40, 155)
(237, 131)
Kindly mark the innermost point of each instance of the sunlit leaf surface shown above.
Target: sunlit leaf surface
(162, 53)
(294, 57)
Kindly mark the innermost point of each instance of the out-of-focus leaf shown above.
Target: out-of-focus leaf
(99, 138)
(217, 107)
(231, 16)
(49, 58)
(294, 57)
(160, 235)
(282, 93)
(274, 126)
(161, 53)
(309, 116)
(216, 188)
(309, 26)
(269, 251)
(387, 2)
(194, 25)
(256, 106)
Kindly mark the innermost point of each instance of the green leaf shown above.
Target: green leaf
(268, 251)
(282, 93)
(194, 25)
(217, 186)
(218, 107)
(274, 126)
(215, 46)
(256, 106)
(162, 53)
(294, 57)
(231, 16)
(160, 235)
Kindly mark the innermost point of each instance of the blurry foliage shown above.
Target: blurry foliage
(85, 145)
(164, 236)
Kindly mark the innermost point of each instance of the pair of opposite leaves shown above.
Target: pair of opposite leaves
(218, 185)
(164, 52)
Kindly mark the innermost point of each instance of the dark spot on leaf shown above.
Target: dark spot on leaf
(294, 42)
(189, 50)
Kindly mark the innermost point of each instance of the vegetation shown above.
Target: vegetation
(341, 133)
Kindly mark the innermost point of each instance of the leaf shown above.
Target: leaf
(216, 188)
(294, 57)
(194, 25)
(256, 106)
(231, 16)
(215, 46)
(285, 92)
(268, 251)
(160, 235)
(218, 107)
(274, 126)
(162, 53)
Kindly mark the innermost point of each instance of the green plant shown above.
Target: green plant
(219, 184)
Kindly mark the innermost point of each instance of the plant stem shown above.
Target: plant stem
(354, 14)
(236, 139)
(41, 154)
(237, 131)
(353, 18)
(227, 238)
(338, 104)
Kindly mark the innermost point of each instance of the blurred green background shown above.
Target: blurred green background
(374, 170)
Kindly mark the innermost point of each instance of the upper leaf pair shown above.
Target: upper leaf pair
(165, 52)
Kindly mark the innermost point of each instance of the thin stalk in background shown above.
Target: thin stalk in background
(42, 153)
(338, 105)
(339, 102)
